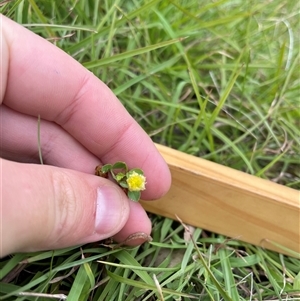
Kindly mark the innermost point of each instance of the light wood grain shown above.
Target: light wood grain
(223, 200)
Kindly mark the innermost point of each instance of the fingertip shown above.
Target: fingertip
(158, 179)
(112, 210)
(137, 228)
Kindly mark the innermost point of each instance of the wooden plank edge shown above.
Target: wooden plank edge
(226, 201)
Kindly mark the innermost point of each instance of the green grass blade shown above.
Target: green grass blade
(128, 54)
(148, 286)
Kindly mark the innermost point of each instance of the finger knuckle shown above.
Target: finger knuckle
(66, 206)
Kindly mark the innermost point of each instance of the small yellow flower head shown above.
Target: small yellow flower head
(136, 181)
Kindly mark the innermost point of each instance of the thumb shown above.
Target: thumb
(45, 207)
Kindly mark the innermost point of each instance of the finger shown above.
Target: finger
(61, 90)
(137, 223)
(45, 207)
(19, 141)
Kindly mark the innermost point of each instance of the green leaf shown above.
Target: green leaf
(129, 54)
(11, 264)
(106, 168)
(137, 170)
(119, 176)
(120, 165)
(148, 286)
(296, 284)
(134, 195)
(89, 274)
(229, 279)
(79, 290)
(123, 184)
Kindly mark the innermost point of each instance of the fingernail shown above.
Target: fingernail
(110, 210)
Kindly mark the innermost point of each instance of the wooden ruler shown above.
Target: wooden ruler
(226, 201)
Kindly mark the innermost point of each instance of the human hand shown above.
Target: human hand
(82, 124)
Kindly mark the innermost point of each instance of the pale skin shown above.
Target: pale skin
(61, 203)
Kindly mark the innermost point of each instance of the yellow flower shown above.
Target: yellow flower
(136, 181)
